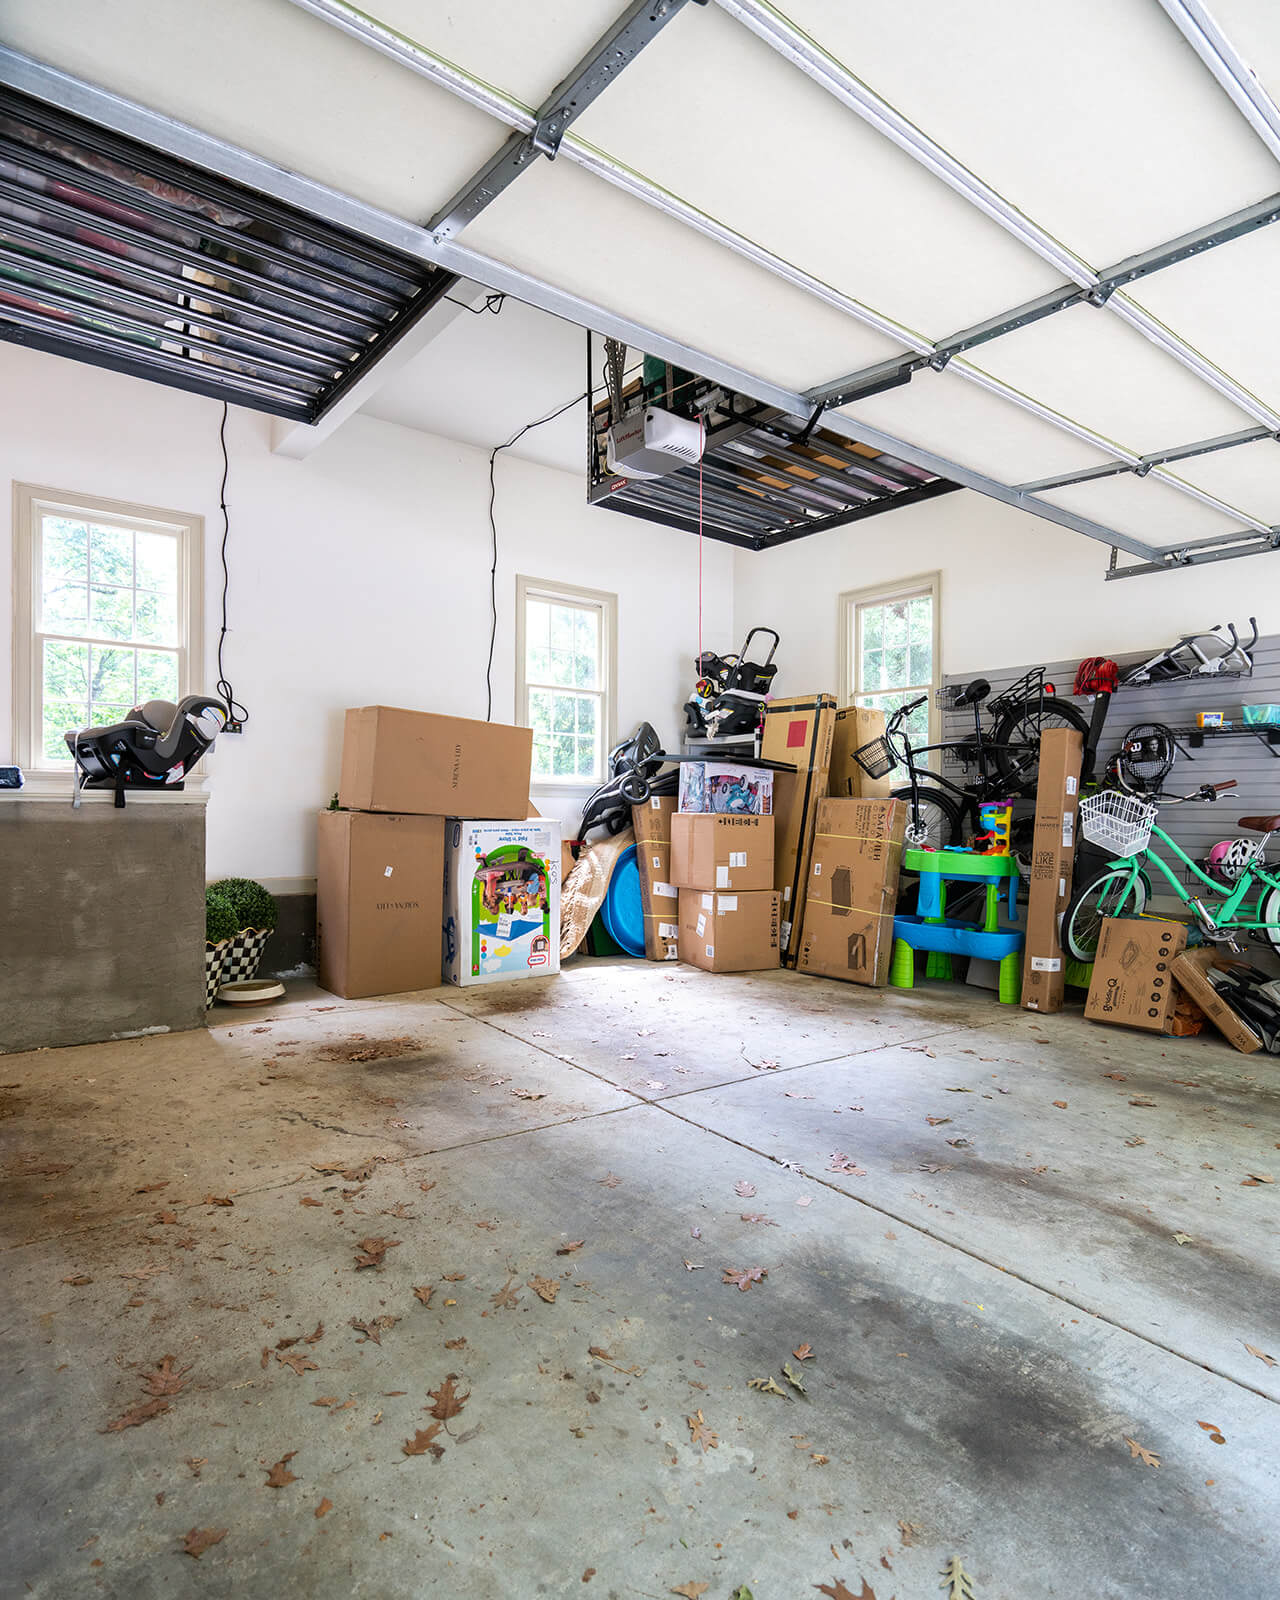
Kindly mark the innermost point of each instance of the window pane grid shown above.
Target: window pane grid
(564, 687)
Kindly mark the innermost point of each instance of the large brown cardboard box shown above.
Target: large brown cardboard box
(1191, 974)
(1053, 852)
(795, 816)
(797, 731)
(854, 727)
(659, 896)
(721, 852)
(729, 932)
(853, 890)
(379, 902)
(415, 761)
(1132, 981)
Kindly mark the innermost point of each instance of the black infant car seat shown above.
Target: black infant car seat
(157, 743)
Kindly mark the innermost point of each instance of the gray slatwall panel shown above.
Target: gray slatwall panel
(1195, 827)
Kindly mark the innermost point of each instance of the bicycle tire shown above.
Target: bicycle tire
(940, 814)
(1269, 911)
(1019, 769)
(1088, 905)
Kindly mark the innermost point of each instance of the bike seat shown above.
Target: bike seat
(1259, 824)
(973, 694)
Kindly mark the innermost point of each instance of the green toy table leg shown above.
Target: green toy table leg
(902, 967)
(1011, 979)
(937, 963)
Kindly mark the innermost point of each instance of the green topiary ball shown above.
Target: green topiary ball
(220, 921)
(253, 906)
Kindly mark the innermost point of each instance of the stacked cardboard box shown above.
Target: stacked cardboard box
(729, 911)
(854, 727)
(380, 889)
(659, 896)
(853, 890)
(1053, 852)
(799, 732)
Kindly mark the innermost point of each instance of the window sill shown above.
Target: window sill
(56, 786)
(552, 787)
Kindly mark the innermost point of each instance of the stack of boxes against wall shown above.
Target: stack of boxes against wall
(722, 867)
(433, 865)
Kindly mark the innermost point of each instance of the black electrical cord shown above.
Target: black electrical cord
(493, 531)
(235, 710)
(492, 302)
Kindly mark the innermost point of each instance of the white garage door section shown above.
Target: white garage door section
(822, 199)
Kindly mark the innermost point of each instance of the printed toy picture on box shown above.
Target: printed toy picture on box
(735, 795)
(510, 909)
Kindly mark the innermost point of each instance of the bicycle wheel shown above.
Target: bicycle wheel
(1016, 738)
(936, 821)
(1269, 911)
(1106, 895)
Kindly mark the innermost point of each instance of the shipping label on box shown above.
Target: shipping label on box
(502, 900)
(725, 788)
(717, 852)
(847, 931)
(1132, 981)
(729, 932)
(659, 897)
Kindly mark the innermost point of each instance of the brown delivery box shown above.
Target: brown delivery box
(659, 897)
(796, 796)
(1132, 979)
(853, 890)
(1191, 974)
(1052, 856)
(379, 902)
(854, 727)
(729, 932)
(415, 761)
(798, 731)
(721, 852)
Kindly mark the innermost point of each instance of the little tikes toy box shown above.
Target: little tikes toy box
(725, 788)
(501, 901)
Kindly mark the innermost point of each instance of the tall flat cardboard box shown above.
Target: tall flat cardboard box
(379, 881)
(501, 900)
(853, 890)
(415, 761)
(729, 932)
(659, 896)
(798, 731)
(1053, 853)
(1133, 973)
(1191, 974)
(719, 852)
(854, 727)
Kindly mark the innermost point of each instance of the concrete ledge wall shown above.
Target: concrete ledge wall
(101, 921)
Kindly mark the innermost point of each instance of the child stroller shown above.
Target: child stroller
(729, 696)
(633, 777)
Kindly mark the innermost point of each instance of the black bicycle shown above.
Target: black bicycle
(1005, 760)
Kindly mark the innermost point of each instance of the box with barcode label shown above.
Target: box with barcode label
(729, 853)
(658, 895)
(730, 932)
(1052, 857)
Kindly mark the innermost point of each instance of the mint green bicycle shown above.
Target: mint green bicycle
(1124, 823)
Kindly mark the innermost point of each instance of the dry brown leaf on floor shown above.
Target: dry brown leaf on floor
(757, 1216)
(918, 1049)
(692, 1266)
(1119, 1077)
(507, 1298)
(701, 1433)
(767, 1386)
(1141, 1100)
(1255, 1178)
(936, 1122)
(423, 1292)
(147, 1188)
(793, 1378)
(278, 1474)
(266, 1357)
(803, 1352)
(1261, 1355)
(198, 1540)
(454, 1344)
(79, 1280)
(299, 1362)
(611, 1180)
(218, 1200)
(743, 1189)
(327, 1400)
(421, 1442)
(1135, 1141)
(529, 1094)
(1140, 1453)
(400, 1210)
(374, 1328)
(428, 1187)
(448, 1402)
(316, 1334)
(907, 1532)
(325, 1505)
(141, 1274)
(691, 1591)
(1061, 1104)
(1214, 1431)
(839, 1591)
(372, 1251)
(568, 1249)
(453, 1277)
(545, 1288)
(136, 1416)
(167, 1219)
(308, 1200)
(1183, 1238)
(195, 1463)
(958, 1088)
(288, 1344)
(841, 1163)
(168, 1378)
(744, 1278)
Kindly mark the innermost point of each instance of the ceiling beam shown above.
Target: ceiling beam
(1229, 67)
(1179, 452)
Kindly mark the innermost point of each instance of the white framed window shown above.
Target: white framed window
(565, 673)
(889, 651)
(107, 615)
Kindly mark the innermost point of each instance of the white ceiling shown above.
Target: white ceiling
(1094, 117)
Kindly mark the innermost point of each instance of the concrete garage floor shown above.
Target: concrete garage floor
(990, 1319)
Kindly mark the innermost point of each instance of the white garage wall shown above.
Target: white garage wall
(1014, 589)
(358, 576)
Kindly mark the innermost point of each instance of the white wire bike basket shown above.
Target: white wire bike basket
(1120, 823)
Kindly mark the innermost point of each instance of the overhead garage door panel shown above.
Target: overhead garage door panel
(944, 413)
(711, 113)
(1095, 369)
(265, 75)
(562, 223)
(1095, 119)
(1152, 510)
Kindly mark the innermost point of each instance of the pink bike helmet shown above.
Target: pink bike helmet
(1230, 856)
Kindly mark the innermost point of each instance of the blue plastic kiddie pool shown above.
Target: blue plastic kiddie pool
(623, 910)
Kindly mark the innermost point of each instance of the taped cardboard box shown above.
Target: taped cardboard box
(855, 726)
(379, 899)
(415, 761)
(1191, 974)
(798, 731)
(1132, 983)
(1052, 856)
(729, 932)
(853, 890)
(659, 896)
(731, 853)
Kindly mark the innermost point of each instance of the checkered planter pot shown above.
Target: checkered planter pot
(232, 959)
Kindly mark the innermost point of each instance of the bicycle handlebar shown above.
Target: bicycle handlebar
(911, 705)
